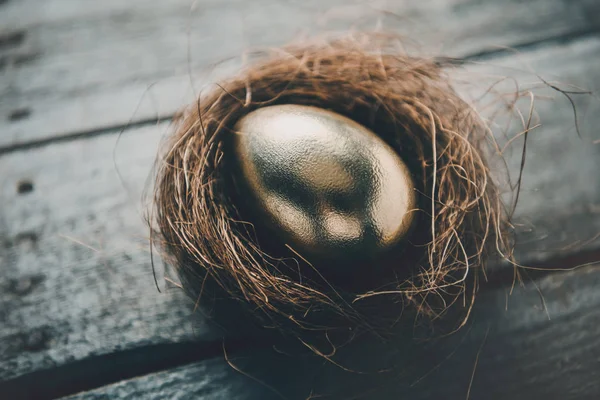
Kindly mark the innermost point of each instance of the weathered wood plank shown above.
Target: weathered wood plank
(559, 203)
(81, 67)
(517, 347)
(62, 300)
(210, 379)
(76, 276)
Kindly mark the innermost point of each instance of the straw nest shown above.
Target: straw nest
(200, 223)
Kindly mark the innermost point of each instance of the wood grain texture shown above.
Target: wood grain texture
(76, 283)
(77, 280)
(517, 346)
(558, 207)
(82, 67)
(76, 273)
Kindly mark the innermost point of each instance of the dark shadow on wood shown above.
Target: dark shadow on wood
(386, 365)
(503, 276)
(101, 370)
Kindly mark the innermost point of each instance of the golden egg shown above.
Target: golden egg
(326, 185)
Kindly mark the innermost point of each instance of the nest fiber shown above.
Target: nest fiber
(207, 237)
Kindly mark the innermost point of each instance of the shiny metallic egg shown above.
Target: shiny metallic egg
(327, 185)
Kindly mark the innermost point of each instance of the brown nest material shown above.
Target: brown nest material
(409, 103)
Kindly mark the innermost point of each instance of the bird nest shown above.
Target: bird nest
(200, 222)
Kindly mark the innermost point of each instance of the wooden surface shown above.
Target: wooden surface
(78, 305)
(73, 67)
(525, 351)
(210, 379)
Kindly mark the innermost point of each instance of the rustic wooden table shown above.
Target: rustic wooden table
(80, 316)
